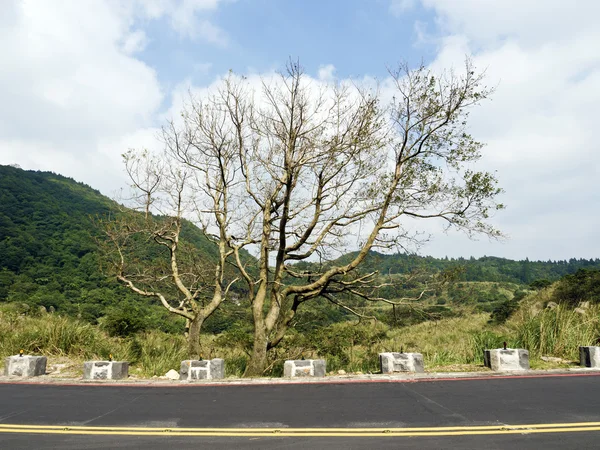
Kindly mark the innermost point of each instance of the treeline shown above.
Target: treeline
(487, 268)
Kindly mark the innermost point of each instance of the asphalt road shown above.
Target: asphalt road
(302, 416)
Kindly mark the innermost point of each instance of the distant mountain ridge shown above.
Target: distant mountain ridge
(486, 268)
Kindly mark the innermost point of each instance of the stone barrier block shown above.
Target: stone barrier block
(401, 362)
(206, 369)
(105, 370)
(509, 359)
(589, 356)
(304, 368)
(25, 366)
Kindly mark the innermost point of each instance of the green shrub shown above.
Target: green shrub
(583, 285)
(125, 319)
(504, 310)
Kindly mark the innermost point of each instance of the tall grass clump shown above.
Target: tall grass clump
(155, 352)
(447, 342)
(486, 339)
(54, 335)
(558, 331)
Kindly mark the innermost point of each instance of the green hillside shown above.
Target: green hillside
(49, 253)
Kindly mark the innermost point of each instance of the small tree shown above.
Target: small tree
(147, 250)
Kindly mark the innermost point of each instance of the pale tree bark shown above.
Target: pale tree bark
(146, 252)
(297, 171)
(319, 166)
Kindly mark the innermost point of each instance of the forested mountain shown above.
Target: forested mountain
(49, 256)
(47, 249)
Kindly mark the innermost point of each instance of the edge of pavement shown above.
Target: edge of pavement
(331, 379)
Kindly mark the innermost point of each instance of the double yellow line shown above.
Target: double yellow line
(305, 432)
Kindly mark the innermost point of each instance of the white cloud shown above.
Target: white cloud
(531, 22)
(73, 91)
(71, 82)
(326, 73)
(135, 42)
(540, 124)
(186, 17)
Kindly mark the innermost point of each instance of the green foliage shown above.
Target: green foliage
(240, 338)
(124, 320)
(487, 268)
(504, 310)
(53, 335)
(49, 258)
(346, 345)
(540, 284)
(49, 254)
(583, 285)
(156, 353)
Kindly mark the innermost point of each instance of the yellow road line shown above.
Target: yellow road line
(246, 429)
(305, 432)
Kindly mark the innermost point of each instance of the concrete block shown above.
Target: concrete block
(105, 370)
(401, 362)
(589, 356)
(509, 359)
(25, 366)
(304, 368)
(207, 369)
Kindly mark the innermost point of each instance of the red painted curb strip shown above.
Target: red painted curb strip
(287, 383)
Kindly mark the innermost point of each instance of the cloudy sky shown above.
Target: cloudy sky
(82, 81)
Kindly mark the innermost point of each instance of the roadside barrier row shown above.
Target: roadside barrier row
(499, 359)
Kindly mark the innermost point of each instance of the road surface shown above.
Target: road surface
(528, 412)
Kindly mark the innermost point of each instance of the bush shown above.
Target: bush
(56, 335)
(125, 320)
(156, 353)
(504, 310)
(540, 284)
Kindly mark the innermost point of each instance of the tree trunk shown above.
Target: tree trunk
(258, 361)
(194, 351)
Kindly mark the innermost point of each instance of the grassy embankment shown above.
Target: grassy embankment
(451, 344)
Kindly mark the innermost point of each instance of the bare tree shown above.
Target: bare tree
(145, 248)
(295, 170)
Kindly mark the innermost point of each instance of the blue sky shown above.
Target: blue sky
(354, 36)
(358, 37)
(83, 81)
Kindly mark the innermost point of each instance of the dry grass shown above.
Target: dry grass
(453, 344)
